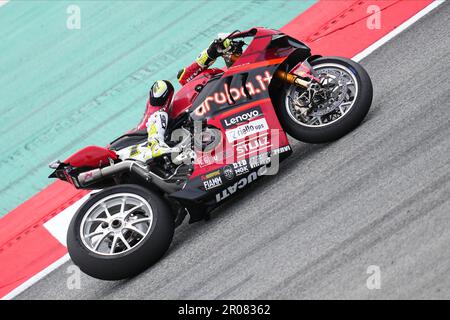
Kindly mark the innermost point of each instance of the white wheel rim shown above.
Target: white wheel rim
(116, 224)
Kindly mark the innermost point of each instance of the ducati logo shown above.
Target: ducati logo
(240, 184)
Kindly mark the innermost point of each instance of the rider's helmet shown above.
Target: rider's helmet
(161, 93)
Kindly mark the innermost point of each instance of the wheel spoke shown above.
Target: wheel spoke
(125, 242)
(312, 121)
(106, 210)
(93, 234)
(315, 119)
(122, 206)
(113, 244)
(128, 212)
(98, 220)
(134, 229)
(342, 105)
(133, 222)
(105, 235)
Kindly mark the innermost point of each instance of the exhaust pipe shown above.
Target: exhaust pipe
(89, 177)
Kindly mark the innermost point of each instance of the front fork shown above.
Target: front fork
(302, 75)
(293, 79)
(305, 77)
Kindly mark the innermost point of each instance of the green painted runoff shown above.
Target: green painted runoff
(63, 88)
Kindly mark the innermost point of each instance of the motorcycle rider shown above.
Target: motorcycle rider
(160, 97)
(206, 59)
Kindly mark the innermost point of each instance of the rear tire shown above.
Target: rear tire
(145, 252)
(343, 125)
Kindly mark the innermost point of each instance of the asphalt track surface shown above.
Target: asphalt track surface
(378, 196)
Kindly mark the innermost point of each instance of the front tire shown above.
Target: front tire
(119, 232)
(321, 129)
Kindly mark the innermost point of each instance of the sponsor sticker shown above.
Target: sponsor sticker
(240, 167)
(210, 175)
(206, 159)
(264, 158)
(212, 183)
(225, 193)
(245, 130)
(281, 150)
(259, 160)
(228, 172)
(255, 144)
(255, 88)
(240, 117)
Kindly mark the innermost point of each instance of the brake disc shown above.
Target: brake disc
(332, 93)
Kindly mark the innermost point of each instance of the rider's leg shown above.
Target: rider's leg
(156, 128)
(155, 146)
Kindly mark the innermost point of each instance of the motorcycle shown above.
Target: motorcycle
(231, 126)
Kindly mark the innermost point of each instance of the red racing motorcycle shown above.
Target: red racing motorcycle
(230, 126)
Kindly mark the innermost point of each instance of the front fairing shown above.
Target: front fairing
(242, 91)
(234, 163)
(234, 88)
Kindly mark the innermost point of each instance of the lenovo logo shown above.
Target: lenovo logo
(242, 117)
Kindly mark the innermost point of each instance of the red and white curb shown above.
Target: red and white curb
(33, 236)
(57, 227)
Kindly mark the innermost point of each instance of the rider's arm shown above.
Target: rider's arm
(206, 58)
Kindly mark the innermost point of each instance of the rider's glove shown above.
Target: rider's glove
(216, 49)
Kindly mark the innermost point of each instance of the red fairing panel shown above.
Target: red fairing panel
(232, 150)
(187, 94)
(257, 50)
(190, 72)
(91, 156)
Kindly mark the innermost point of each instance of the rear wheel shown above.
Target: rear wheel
(119, 232)
(327, 113)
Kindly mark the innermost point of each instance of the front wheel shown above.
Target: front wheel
(328, 112)
(119, 232)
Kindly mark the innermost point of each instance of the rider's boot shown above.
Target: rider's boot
(159, 148)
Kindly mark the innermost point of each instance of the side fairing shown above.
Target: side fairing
(239, 106)
(251, 137)
(232, 90)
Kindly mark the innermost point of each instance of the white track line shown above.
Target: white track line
(3, 2)
(405, 25)
(58, 225)
(24, 286)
